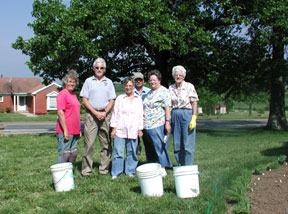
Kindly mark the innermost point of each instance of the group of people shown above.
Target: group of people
(140, 113)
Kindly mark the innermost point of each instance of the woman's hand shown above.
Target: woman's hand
(66, 135)
(167, 127)
(113, 133)
(140, 133)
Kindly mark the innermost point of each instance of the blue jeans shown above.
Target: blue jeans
(156, 137)
(67, 146)
(184, 139)
(131, 161)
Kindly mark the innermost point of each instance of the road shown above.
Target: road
(15, 128)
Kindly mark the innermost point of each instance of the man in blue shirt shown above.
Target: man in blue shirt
(141, 91)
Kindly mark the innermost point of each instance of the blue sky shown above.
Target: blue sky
(14, 16)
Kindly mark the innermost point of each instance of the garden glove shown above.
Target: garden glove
(192, 124)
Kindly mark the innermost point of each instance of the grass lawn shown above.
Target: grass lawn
(221, 154)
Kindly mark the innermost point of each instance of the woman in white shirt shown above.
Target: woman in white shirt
(127, 126)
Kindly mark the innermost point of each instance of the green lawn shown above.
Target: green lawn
(221, 154)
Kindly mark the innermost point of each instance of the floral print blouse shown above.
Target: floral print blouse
(154, 107)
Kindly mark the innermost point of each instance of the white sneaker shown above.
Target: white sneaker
(114, 177)
(163, 172)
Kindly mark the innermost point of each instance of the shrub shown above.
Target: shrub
(8, 110)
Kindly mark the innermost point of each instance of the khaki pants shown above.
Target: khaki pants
(92, 128)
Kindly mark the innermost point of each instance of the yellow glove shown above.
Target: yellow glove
(192, 124)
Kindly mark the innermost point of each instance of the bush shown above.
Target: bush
(8, 110)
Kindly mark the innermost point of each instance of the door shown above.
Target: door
(21, 103)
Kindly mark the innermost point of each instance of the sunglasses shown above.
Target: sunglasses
(99, 68)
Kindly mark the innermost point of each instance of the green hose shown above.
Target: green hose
(215, 193)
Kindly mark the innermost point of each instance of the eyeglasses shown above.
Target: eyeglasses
(99, 68)
(138, 80)
(178, 75)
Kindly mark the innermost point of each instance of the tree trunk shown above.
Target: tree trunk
(277, 118)
(161, 63)
(250, 106)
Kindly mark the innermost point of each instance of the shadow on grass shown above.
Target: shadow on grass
(78, 166)
(283, 150)
(231, 132)
(137, 189)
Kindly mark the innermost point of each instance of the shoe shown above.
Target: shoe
(103, 172)
(131, 176)
(163, 172)
(114, 177)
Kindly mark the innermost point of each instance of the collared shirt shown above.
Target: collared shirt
(154, 107)
(127, 116)
(145, 90)
(98, 93)
(183, 97)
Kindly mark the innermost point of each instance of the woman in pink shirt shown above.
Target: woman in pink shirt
(127, 125)
(68, 127)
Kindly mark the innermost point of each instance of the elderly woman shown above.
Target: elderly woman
(157, 121)
(184, 114)
(127, 126)
(68, 127)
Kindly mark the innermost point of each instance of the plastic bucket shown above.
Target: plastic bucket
(186, 181)
(150, 179)
(62, 176)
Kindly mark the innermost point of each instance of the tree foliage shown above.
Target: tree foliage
(229, 47)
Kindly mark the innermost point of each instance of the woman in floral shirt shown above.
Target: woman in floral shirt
(157, 122)
(184, 114)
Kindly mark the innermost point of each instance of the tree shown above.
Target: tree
(268, 25)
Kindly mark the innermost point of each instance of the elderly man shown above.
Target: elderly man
(140, 89)
(98, 96)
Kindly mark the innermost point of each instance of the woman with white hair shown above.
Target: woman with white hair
(68, 127)
(184, 114)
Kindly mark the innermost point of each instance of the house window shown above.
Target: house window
(1, 99)
(52, 103)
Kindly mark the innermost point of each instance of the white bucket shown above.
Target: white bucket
(186, 181)
(62, 176)
(150, 179)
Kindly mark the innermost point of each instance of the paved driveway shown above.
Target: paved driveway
(49, 127)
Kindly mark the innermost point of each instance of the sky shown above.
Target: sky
(14, 17)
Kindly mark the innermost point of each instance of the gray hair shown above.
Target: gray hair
(99, 60)
(179, 68)
(72, 74)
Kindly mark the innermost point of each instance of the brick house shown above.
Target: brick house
(27, 95)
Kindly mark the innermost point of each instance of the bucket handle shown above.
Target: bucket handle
(61, 178)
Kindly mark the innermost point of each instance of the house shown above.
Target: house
(27, 95)
(220, 109)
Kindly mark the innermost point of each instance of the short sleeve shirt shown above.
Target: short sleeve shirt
(145, 90)
(71, 107)
(98, 93)
(183, 97)
(154, 107)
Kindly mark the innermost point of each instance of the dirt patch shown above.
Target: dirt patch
(269, 192)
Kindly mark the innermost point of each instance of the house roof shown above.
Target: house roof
(19, 85)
